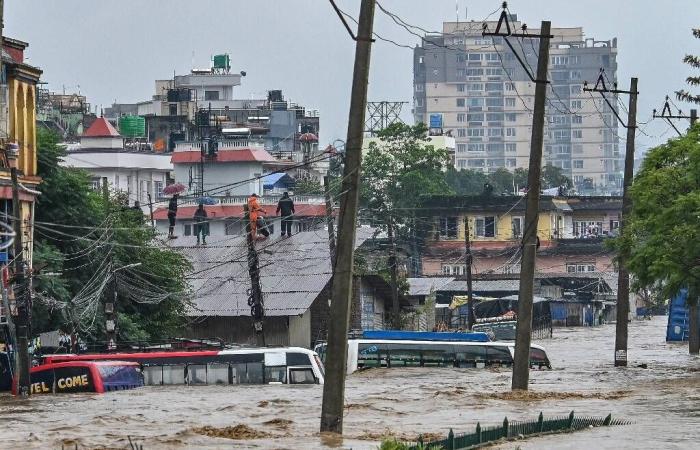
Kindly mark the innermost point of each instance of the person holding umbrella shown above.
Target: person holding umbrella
(200, 223)
(172, 214)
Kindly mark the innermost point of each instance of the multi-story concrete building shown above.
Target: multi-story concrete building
(476, 87)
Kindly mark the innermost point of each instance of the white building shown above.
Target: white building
(138, 173)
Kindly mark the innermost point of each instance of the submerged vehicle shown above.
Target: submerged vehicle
(265, 365)
(422, 351)
(83, 376)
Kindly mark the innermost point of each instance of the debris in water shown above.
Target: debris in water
(279, 423)
(239, 431)
(520, 395)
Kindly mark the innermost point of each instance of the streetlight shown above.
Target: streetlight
(111, 312)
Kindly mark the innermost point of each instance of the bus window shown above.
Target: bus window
(197, 374)
(217, 373)
(275, 374)
(301, 376)
(469, 355)
(254, 374)
(498, 355)
(174, 374)
(403, 355)
(74, 379)
(42, 382)
(368, 355)
(438, 356)
(153, 375)
(298, 359)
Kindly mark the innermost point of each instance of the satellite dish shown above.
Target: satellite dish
(243, 73)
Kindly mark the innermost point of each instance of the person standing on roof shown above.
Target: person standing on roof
(255, 211)
(200, 223)
(172, 213)
(286, 207)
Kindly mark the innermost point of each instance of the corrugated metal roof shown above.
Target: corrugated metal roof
(423, 286)
(293, 271)
(483, 285)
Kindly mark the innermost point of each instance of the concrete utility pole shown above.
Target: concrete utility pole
(623, 276)
(21, 287)
(337, 348)
(468, 270)
(150, 209)
(329, 218)
(393, 270)
(255, 300)
(521, 360)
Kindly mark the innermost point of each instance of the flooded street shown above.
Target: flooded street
(663, 401)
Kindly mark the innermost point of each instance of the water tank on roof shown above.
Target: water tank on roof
(222, 62)
(275, 96)
(132, 126)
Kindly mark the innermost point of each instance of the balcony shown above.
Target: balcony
(225, 144)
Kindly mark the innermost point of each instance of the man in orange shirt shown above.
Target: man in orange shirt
(255, 210)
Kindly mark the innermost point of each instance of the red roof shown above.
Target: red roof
(101, 128)
(219, 211)
(239, 155)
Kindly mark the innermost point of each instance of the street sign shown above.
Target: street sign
(436, 121)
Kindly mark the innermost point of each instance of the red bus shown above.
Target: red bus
(83, 376)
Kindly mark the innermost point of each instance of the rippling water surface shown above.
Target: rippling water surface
(663, 400)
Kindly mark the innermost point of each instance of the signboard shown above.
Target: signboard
(436, 121)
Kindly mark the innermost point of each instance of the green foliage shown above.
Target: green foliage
(308, 187)
(662, 236)
(89, 234)
(502, 181)
(693, 62)
(393, 444)
(553, 177)
(466, 182)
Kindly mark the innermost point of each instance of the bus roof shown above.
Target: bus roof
(425, 336)
(393, 341)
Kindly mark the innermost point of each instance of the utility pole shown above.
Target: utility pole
(105, 191)
(521, 360)
(150, 209)
(468, 269)
(623, 276)
(329, 218)
(255, 298)
(393, 270)
(667, 115)
(333, 405)
(110, 313)
(21, 288)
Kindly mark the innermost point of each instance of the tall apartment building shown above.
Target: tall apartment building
(475, 87)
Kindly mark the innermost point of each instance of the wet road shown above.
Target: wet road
(663, 400)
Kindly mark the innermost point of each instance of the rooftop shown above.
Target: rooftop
(101, 128)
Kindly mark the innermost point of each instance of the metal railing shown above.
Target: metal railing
(512, 430)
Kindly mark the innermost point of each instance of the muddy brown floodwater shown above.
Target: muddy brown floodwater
(662, 400)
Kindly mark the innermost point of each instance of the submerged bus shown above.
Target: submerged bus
(268, 365)
(83, 376)
(365, 353)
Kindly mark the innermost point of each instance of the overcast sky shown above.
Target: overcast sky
(114, 50)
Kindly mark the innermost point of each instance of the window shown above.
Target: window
(486, 226)
(473, 132)
(494, 86)
(517, 224)
(510, 117)
(576, 119)
(575, 88)
(475, 86)
(461, 148)
(475, 57)
(578, 164)
(172, 109)
(575, 75)
(495, 132)
(574, 60)
(301, 376)
(475, 72)
(460, 87)
(511, 146)
(560, 60)
(460, 73)
(460, 102)
(495, 147)
(461, 132)
(475, 162)
(510, 162)
(491, 57)
(560, 135)
(188, 229)
(211, 95)
(419, 102)
(475, 147)
(494, 117)
(174, 374)
(510, 131)
(509, 86)
(152, 375)
(217, 373)
(145, 190)
(578, 148)
(453, 269)
(196, 374)
(587, 228)
(448, 227)
(578, 179)
(476, 101)
(420, 88)
(493, 71)
(478, 117)
(275, 374)
(575, 104)
(577, 134)
(461, 163)
(494, 101)
(580, 267)
(158, 188)
(510, 101)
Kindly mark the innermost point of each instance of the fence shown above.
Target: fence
(512, 430)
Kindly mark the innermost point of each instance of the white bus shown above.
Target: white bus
(366, 353)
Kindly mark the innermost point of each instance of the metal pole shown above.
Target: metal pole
(623, 276)
(332, 408)
(521, 363)
(393, 270)
(693, 116)
(22, 323)
(468, 270)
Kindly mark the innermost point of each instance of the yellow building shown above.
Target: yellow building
(18, 126)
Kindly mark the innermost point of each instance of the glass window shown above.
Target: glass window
(403, 355)
(538, 357)
(494, 101)
(510, 147)
(577, 134)
(460, 87)
(476, 101)
(174, 374)
(460, 102)
(448, 227)
(254, 373)
(42, 382)
(153, 375)
(301, 376)
(578, 164)
(461, 117)
(469, 355)
(368, 355)
(197, 374)
(438, 356)
(498, 355)
(475, 57)
(275, 374)
(217, 373)
(211, 95)
(510, 101)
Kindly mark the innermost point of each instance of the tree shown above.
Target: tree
(694, 62)
(79, 240)
(466, 181)
(553, 177)
(308, 187)
(661, 239)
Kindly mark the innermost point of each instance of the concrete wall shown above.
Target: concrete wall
(217, 175)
